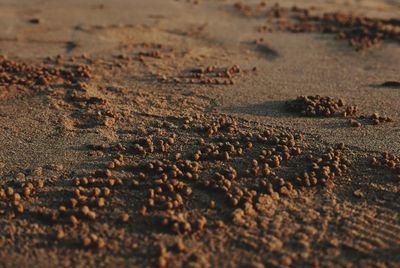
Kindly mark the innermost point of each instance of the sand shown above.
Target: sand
(133, 90)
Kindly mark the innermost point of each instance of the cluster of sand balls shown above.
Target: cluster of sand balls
(223, 142)
(323, 170)
(210, 75)
(320, 106)
(389, 161)
(15, 197)
(26, 74)
(361, 32)
(375, 119)
(170, 183)
(226, 165)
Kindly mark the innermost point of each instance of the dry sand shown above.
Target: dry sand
(122, 115)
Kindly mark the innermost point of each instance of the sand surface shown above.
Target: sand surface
(123, 110)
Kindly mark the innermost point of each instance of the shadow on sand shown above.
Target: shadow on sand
(268, 108)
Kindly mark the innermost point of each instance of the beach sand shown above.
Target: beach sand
(156, 133)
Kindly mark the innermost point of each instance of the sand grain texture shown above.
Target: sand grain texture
(157, 134)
